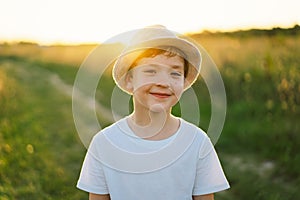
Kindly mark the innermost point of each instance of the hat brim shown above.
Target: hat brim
(126, 59)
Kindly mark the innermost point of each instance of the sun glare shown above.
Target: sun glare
(93, 21)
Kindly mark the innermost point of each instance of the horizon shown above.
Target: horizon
(213, 31)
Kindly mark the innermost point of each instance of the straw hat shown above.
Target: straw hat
(156, 36)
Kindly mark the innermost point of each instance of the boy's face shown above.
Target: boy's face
(157, 82)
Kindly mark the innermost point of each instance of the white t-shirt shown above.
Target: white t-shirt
(130, 168)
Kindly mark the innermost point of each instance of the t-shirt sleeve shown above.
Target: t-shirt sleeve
(92, 178)
(210, 177)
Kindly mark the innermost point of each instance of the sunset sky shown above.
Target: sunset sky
(89, 21)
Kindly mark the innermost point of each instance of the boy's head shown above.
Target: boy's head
(151, 42)
(156, 80)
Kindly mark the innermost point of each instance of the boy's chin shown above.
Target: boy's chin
(158, 108)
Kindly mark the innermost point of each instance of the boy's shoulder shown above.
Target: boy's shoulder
(201, 139)
(193, 128)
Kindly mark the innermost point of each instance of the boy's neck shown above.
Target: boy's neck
(154, 125)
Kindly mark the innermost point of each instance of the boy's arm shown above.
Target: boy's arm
(204, 197)
(99, 196)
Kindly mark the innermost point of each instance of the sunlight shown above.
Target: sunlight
(95, 21)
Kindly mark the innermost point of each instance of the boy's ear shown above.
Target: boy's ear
(128, 82)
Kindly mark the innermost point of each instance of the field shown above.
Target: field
(41, 153)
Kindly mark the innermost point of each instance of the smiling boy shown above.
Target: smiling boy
(152, 154)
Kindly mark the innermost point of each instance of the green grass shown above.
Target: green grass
(262, 123)
(40, 151)
(41, 155)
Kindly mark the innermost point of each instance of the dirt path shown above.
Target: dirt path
(86, 101)
(86, 104)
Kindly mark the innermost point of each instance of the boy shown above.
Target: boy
(152, 154)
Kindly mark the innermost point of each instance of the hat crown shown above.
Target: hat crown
(151, 33)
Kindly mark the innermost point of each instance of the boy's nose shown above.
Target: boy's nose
(162, 80)
(163, 84)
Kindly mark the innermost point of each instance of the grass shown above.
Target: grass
(262, 121)
(41, 155)
(39, 146)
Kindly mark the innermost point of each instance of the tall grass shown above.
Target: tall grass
(39, 149)
(260, 140)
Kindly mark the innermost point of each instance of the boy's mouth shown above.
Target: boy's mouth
(160, 95)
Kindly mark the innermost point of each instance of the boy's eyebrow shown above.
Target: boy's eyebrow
(173, 66)
(157, 64)
(177, 67)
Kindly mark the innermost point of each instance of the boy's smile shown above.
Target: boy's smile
(157, 82)
(160, 95)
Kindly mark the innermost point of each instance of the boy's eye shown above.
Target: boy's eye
(150, 71)
(176, 74)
